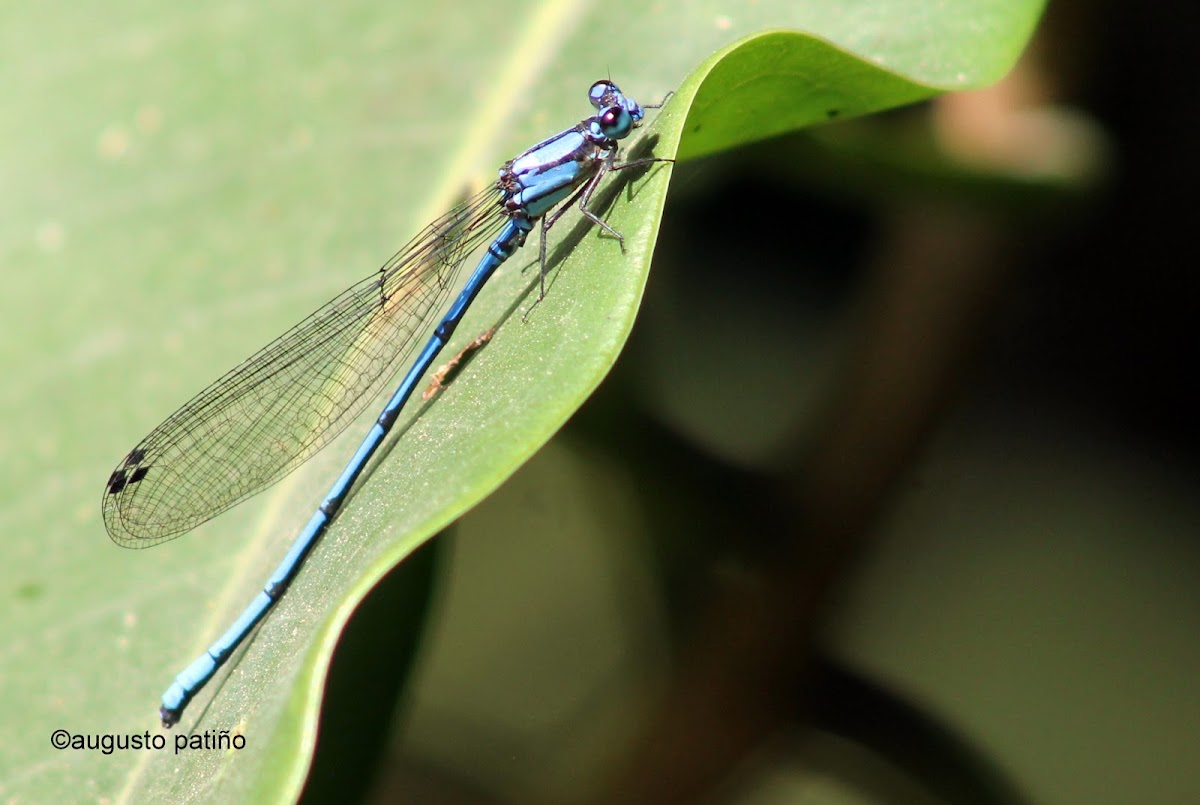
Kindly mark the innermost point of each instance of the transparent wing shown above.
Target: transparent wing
(271, 413)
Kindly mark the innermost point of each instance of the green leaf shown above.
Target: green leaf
(184, 183)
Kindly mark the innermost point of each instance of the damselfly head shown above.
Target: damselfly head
(605, 94)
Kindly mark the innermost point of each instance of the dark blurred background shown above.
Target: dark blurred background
(892, 495)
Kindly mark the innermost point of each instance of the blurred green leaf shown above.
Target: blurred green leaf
(184, 183)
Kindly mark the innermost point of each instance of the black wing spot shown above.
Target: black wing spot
(120, 479)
